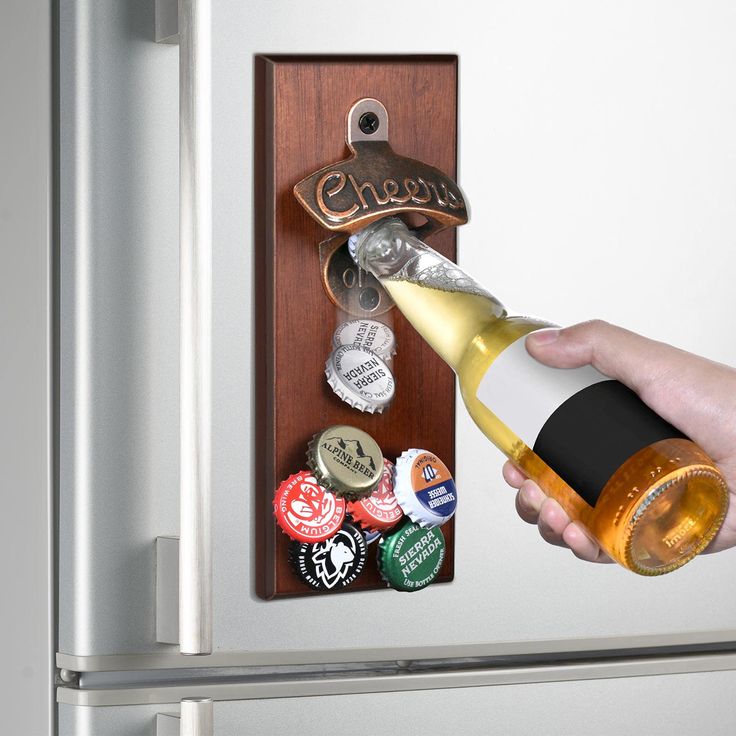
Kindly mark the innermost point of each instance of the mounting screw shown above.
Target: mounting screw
(369, 123)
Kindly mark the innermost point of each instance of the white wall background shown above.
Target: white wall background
(609, 187)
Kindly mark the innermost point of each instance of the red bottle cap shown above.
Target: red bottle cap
(305, 510)
(380, 510)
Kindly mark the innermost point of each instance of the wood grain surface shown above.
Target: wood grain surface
(301, 106)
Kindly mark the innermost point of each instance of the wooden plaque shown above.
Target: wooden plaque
(301, 104)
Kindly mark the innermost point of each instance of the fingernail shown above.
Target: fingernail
(544, 337)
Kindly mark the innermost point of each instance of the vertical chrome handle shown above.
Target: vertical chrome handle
(195, 718)
(195, 254)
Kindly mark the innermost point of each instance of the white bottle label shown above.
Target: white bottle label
(524, 393)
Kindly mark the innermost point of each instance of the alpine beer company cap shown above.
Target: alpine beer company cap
(346, 461)
(305, 510)
(424, 488)
(333, 563)
(380, 510)
(410, 557)
(368, 333)
(360, 378)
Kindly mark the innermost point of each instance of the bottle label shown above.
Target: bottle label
(583, 424)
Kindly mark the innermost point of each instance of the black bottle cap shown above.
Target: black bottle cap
(332, 564)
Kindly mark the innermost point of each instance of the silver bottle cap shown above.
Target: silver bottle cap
(369, 333)
(360, 378)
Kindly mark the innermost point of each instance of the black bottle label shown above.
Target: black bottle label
(592, 434)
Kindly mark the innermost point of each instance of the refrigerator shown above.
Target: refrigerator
(594, 143)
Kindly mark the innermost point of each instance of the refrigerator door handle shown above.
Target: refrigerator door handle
(190, 21)
(196, 718)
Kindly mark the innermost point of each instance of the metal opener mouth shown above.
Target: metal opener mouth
(376, 182)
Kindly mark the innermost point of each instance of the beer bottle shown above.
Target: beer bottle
(651, 497)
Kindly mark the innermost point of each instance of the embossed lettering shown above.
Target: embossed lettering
(424, 199)
(321, 184)
(360, 188)
(441, 202)
(369, 195)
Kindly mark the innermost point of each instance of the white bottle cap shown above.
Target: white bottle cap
(425, 488)
(369, 333)
(360, 378)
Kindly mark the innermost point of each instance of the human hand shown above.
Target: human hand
(694, 394)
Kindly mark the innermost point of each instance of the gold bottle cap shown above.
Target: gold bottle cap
(346, 461)
(360, 378)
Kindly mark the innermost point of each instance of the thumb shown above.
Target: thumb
(630, 358)
(694, 394)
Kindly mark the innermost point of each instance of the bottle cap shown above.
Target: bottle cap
(410, 557)
(371, 537)
(424, 488)
(368, 333)
(380, 510)
(333, 563)
(346, 461)
(360, 378)
(353, 247)
(305, 510)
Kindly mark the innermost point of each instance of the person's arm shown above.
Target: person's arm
(696, 395)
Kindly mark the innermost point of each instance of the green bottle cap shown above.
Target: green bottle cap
(410, 557)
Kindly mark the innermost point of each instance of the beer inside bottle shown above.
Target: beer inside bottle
(651, 497)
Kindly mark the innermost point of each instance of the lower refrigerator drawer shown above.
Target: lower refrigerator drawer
(650, 705)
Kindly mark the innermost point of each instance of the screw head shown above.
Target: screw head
(369, 123)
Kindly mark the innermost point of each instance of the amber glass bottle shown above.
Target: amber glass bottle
(651, 496)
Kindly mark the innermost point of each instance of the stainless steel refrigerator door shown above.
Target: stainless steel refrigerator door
(641, 706)
(597, 151)
(26, 329)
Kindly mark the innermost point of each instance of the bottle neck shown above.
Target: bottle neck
(443, 303)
